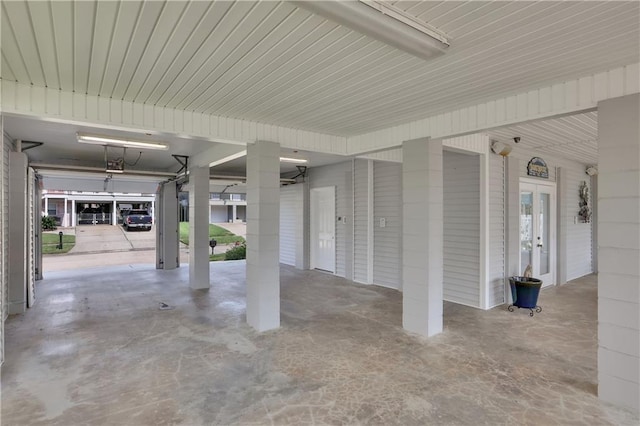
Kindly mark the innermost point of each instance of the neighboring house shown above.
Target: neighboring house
(227, 207)
(71, 208)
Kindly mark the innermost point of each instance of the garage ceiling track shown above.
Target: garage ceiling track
(271, 62)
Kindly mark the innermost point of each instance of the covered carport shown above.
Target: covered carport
(278, 79)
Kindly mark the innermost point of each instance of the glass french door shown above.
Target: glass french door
(538, 230)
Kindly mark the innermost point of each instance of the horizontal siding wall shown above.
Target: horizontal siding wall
(7, 147)
(496, 231)
(579, 234)
(340, 176)
(361, 221)
(461, 228)
(387, 240)
(291, 224)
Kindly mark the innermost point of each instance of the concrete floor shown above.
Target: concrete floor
(96, 349)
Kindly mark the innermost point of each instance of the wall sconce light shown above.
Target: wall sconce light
(500, 148)
(592, 170)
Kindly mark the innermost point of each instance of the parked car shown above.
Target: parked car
(136, 219)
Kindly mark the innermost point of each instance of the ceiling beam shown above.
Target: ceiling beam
(561, 99)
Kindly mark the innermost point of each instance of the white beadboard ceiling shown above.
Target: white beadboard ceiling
(275, 63)
(572, 137)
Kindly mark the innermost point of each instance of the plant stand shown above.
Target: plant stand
(525, 291)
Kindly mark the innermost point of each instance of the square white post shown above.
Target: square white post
(199, 227)
(619, 251)
(18, 248)
(422, 236)
(263, 235)
(114, 218)
(65, 218)
(73, 213)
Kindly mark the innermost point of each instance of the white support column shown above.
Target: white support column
(114, 217)
(422, 236)
(46, 206)
(73, 213)
(563, 194)
(263, 235)
(512, 223)
(199, 227)
(17, 247)
(594, 223)
(235, 213)
(485, 266)
(370, 220)
(619, 251)
(65, 219)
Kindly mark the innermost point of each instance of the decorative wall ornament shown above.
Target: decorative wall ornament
(538, 167)
(585, 212)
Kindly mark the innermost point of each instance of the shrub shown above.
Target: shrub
(237, 253)
(49, 223)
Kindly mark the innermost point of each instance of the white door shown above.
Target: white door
(538, 230)
(323, 228)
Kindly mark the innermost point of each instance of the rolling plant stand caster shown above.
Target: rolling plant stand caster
(537, 309)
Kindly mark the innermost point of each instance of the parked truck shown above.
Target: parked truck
(136, 219)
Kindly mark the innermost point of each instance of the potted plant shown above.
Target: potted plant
(524, 291)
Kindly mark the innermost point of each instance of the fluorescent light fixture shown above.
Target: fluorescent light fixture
(127, 143)
(292, 160)
(383, 22)
(228, 158)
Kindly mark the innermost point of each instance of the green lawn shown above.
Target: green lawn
(50, 243)
(217, 257)
(221, 235)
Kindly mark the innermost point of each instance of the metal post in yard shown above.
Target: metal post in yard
(60, 234)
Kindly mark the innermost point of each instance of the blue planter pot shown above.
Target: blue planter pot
(524, 292)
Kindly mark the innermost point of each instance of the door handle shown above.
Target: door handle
(539, 243)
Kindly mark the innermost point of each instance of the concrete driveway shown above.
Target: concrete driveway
(107, 245)
(238, 228)
(108, 238)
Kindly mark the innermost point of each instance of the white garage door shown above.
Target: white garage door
(219, 214)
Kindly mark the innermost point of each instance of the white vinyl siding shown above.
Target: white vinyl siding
(291, 223)
(387, 240)
(7, 147)
(461, 228)
(361, 221)
(496, 231)
(219, 214)
(340, 176)
(579, 247)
